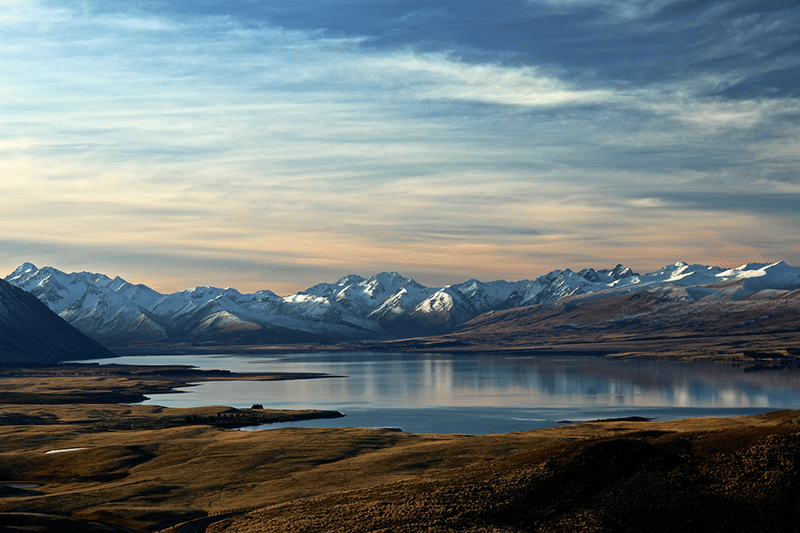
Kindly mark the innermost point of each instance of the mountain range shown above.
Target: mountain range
(750, 319)
(390, 306)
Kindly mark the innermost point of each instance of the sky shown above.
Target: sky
(277, 144)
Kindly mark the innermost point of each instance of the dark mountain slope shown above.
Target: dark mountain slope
(30, 333)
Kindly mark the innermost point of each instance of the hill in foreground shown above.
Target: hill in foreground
(713, 475)
(668, 477)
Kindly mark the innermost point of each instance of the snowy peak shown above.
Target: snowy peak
(771, 275)
(756, 277)
(385, 283)
(685, 274)
(481, 297)
(365, 297)
(557, 285)
(403, 301)
(349, 280)
(774, 272)
(589, 274)
(620, 271)
(327, 289)
(23, 269)
(208, 293)
(607, 276)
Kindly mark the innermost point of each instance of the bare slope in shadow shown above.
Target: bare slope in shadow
(30, 333)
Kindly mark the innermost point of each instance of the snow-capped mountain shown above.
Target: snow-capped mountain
(687, 311)
(32, 333)
(94, 303)
(387, 305)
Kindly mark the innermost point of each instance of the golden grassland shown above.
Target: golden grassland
(148, 468)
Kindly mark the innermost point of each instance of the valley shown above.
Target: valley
(77, 453)
(399, 266)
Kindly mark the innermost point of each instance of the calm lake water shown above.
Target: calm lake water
(427, 393)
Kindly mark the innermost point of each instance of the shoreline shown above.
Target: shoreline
(749, 351)
(95, 383)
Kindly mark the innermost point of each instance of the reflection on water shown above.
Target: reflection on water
(479, 394)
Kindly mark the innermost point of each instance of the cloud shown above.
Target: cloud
(776, 250)
(727, 203)
(618, 9)
(441, 77)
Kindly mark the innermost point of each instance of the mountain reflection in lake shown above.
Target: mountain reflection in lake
(430, 393)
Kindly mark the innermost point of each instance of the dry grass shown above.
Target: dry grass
(143, 468)
(698, 475)
(89, 383)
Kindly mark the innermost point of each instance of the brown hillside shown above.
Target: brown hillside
(115, 474)
(683, 476)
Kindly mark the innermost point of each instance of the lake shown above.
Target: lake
(433, 393)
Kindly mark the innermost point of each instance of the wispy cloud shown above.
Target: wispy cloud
(618, 9)
(443, 77)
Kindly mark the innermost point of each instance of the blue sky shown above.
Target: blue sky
(278, 144)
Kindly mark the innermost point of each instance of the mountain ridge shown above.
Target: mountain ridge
(384, 306)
